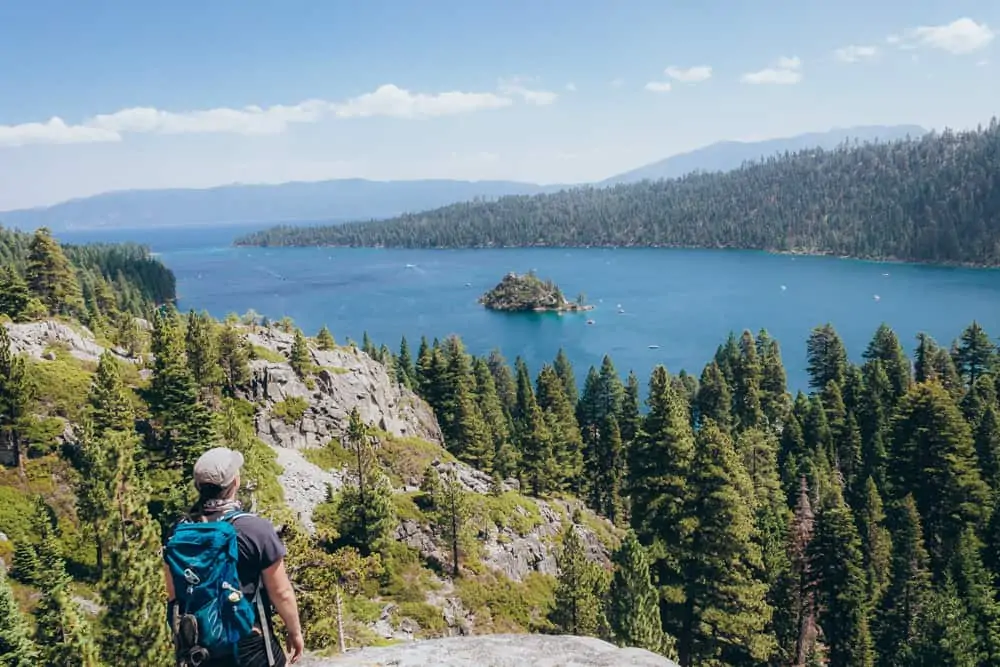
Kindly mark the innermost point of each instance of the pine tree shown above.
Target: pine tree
(26, 563)
(774, 398)
(725, 615)
(111, 408)
(16, 393)
(16, 647)
(471, 440)
(325, 341)
(537, 456)
(727, 356)
(14, 295)
(885, 347)
(975, 355)
(975, 587)
(50, 275)
(300, 358)
(234, 358)
(826, 357)
(495, 419)
(746, 387)
(793, 457)
(567, 443)
(133, 629)
(987, 442)
(876, 544)
(202, 350)
(405, 370)
(504, 381)
(61, 632)
(633, 603)
(184, 424)
(365, 511)
(659, 467)
(801, 629)
(564, 369)
(452, 516)
(923, 358)
(946, 635)
(367, 346)
(837, 565)
(903, 606)
(606, 491)
(630, 420)
(577, 600)
(873, 420)
(933, 457)
(97, 464)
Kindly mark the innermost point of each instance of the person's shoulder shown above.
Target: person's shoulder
(253, 522)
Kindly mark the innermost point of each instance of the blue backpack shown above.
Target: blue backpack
(211, 614)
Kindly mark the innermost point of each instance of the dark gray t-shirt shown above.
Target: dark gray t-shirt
(259, 548)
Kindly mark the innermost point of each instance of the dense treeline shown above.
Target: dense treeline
(933, 199)
(101, 285)
(855, 525)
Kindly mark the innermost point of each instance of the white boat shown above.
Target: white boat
(654, 347)
(877, 297)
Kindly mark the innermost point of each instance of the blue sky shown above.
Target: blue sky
(98, 96)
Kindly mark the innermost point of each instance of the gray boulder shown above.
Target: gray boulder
(498, 651)
(32, 338)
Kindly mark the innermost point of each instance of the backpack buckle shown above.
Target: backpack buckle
(191, 577)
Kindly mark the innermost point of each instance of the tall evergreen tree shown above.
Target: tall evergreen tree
(725, 616)
(537, 456)
(132, 627)
(16, 647)
(802, 630)
(975, 587)
(631, 419)
(873, 420)
(975, 355)
(325, 341)
(234, 358)
(727, 356)
(300, 357)
(876, 543)
(202, 350)
(606, 493)
(504, 381)
(659, 468)
(885, 347)
(746, 387)
(903, 607)
(774, 398)
(405, 370)
(826, 357)
(633, 602)
(933, 458)
(16, 393)
(61, 632)
(14, 295)
(111, 409)
(567, 443)
(987, 441)
(470, 440)
(577, 607)
(841, 589)
(452, 516)
(947, 633)
(51, 276)
(495, 419)
(564, 369)
(365, 512)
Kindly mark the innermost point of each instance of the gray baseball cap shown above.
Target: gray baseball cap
(218, 467)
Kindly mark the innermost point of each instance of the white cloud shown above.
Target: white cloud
(983, 63)
(853, 53)
(959, 37)
(617, 83)
(389, 101)
(785, 71)
(516, 87)
(658, 86)
(395, 102)
(54, 131)
(571, 87)
(694, 74)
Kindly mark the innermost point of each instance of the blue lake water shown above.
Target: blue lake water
(683, 301)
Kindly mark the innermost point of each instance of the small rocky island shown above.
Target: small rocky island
(528, 292)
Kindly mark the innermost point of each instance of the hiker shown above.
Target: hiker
(228, 567)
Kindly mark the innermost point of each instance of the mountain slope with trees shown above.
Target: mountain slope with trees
(933, 199)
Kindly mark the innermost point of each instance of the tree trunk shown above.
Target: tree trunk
(340, 623)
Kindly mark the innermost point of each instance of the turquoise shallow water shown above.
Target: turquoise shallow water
(684, 301)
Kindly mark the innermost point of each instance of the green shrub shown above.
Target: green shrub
(501, 605)
(428, 617)
(406, 507)
(61, 386)
(336, 370)
(331, 457)
(509, 509)
(267, 354)
(290, 410)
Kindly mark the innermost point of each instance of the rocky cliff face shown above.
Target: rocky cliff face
(32, 338)
(346, 378)
(498, 651)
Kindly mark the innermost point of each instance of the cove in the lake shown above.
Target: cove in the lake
(652, 306)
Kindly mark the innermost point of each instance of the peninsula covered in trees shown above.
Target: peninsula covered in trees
(932, 199)
(528, 292)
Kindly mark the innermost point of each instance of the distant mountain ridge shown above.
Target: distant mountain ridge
(728, 155)
(343, 200)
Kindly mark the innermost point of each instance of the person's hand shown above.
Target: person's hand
(296, 646)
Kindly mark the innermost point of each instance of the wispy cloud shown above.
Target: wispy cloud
(388, 101)
(658, 86)
(571, 87)
(785, 71)
(517, 87)
(960, 37)
(695, 74)
(853, 53)
(617, 83)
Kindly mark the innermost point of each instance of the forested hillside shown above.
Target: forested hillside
(933, 199)
(92, 283)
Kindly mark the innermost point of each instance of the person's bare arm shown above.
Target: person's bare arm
(279, 590)
(168, 580)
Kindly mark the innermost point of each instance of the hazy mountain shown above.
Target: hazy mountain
(727, 155)
(329, 201)
(360, 199)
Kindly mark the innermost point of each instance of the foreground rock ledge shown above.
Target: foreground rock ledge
(498, 651)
